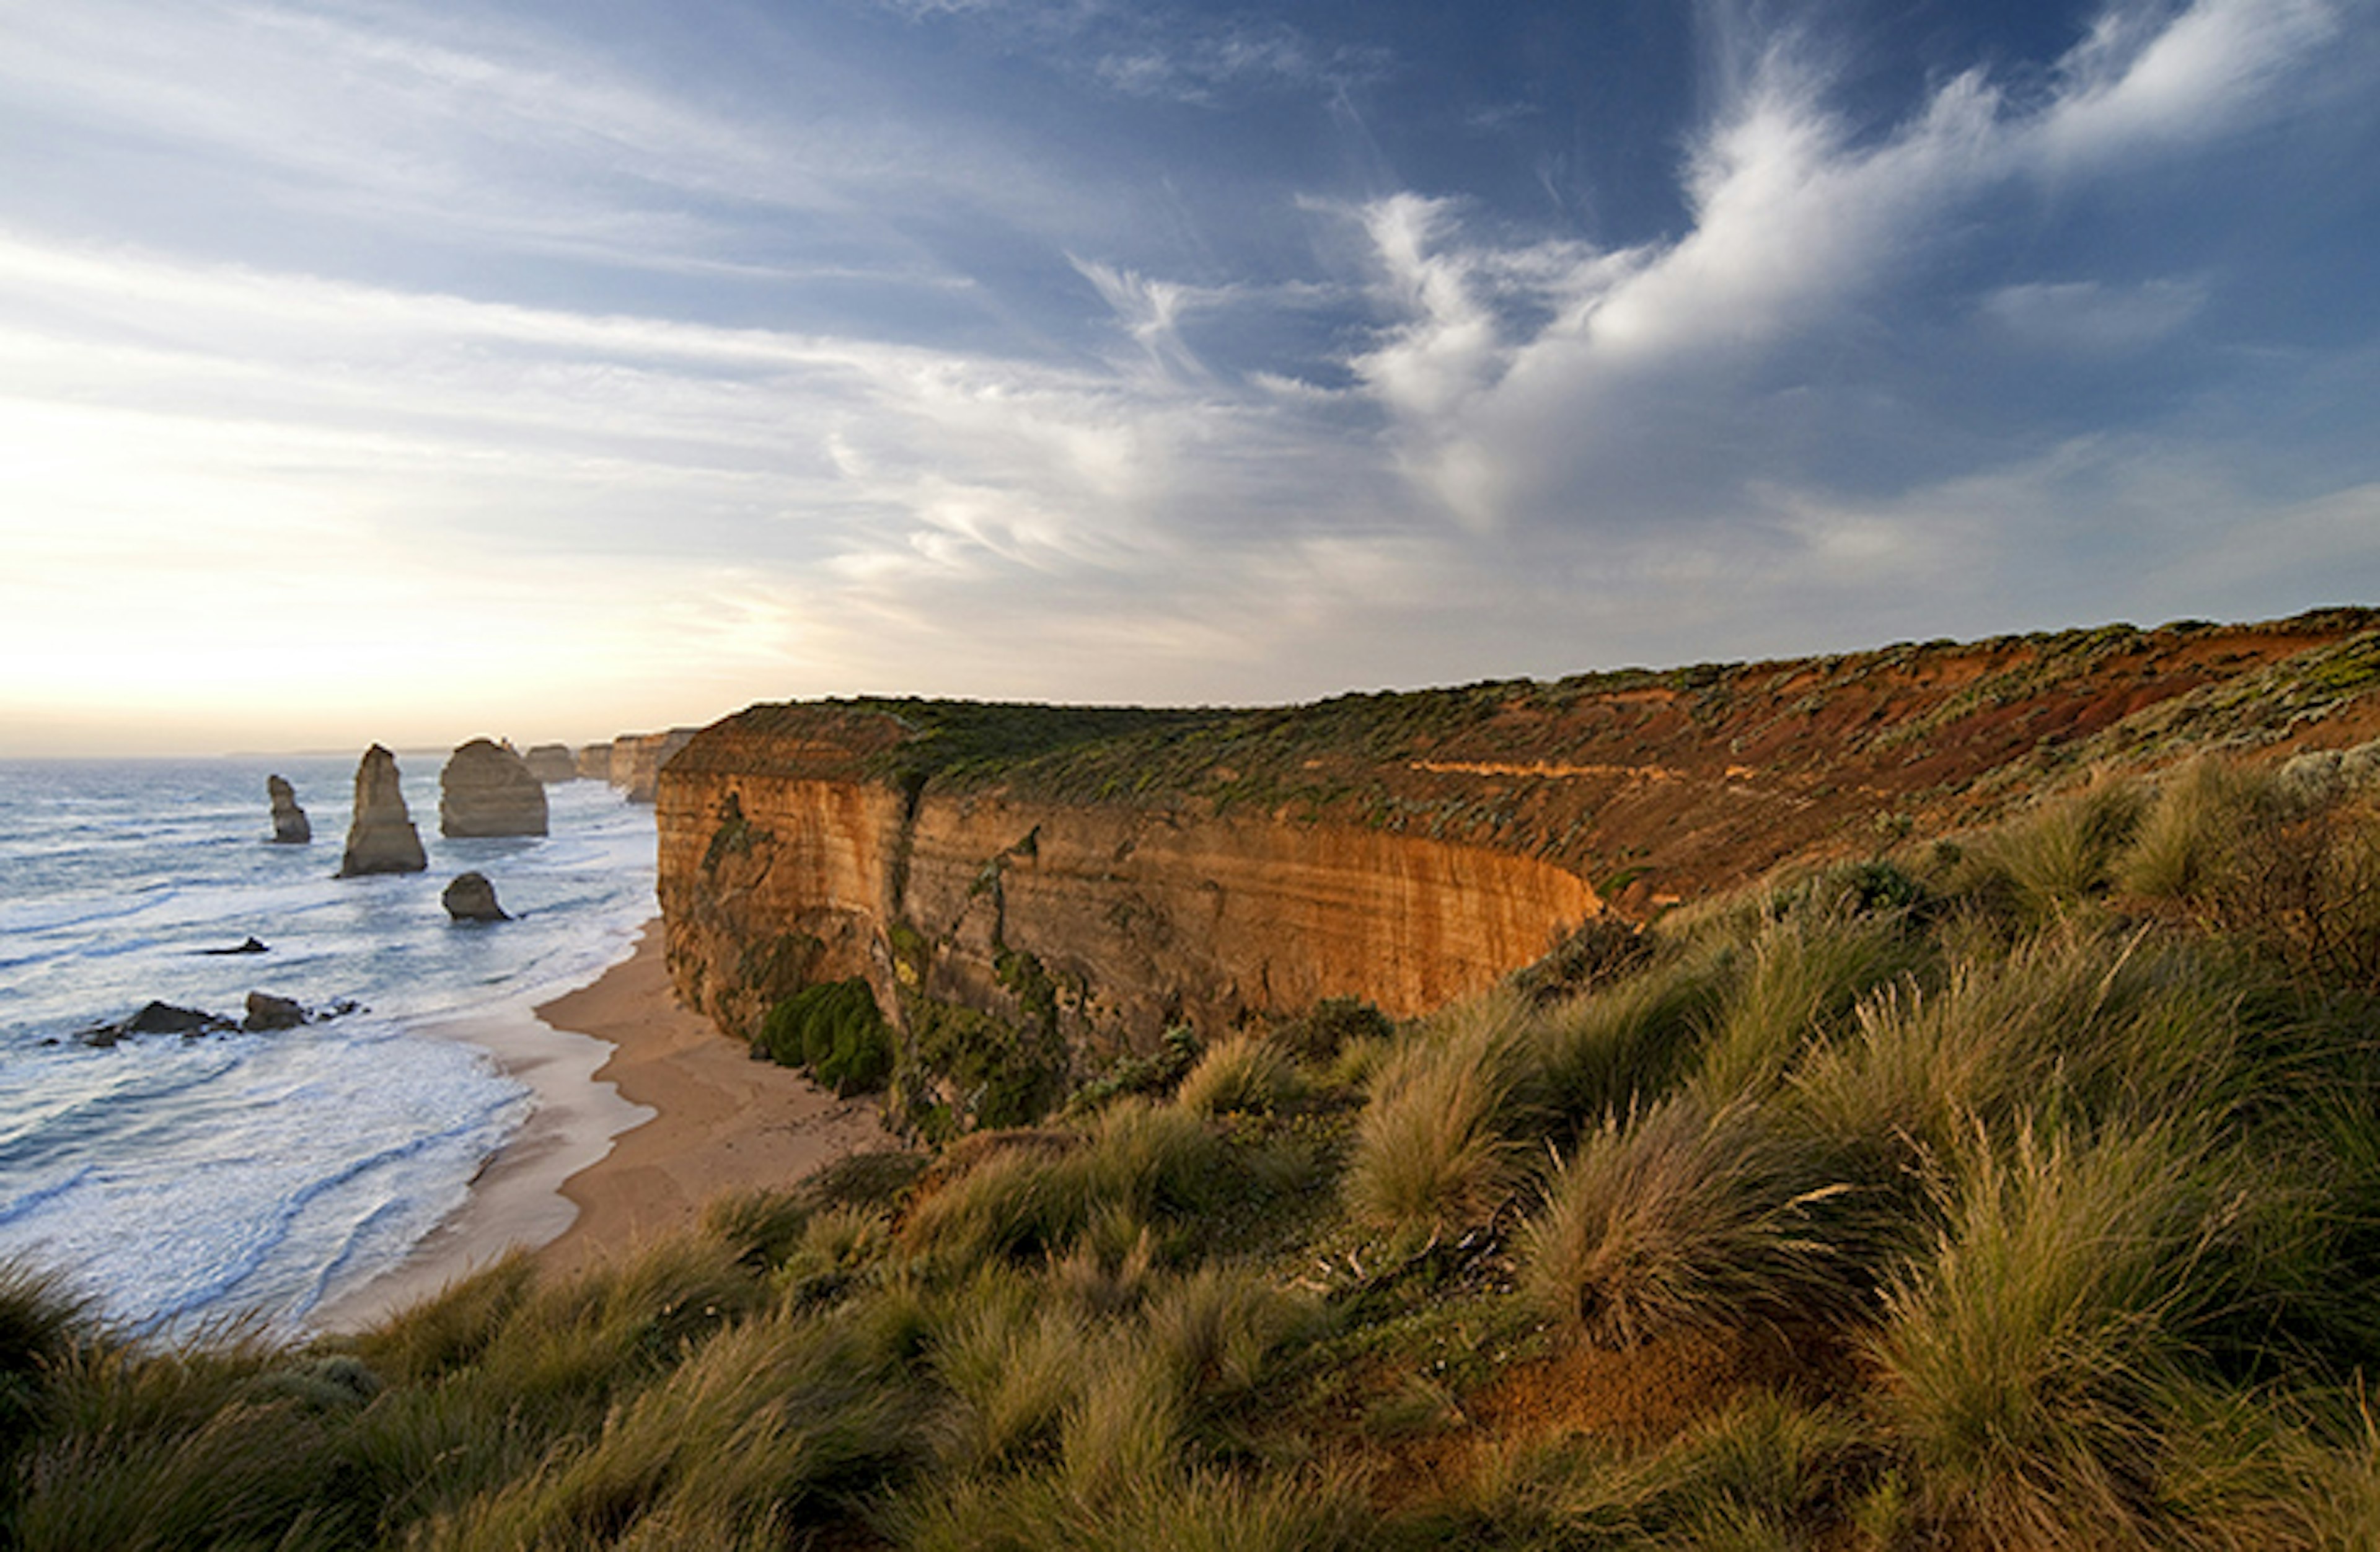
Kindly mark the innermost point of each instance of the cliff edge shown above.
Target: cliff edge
(1069, 882)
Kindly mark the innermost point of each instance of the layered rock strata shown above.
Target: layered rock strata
(782, 865)
(594, 762)
(552, 763)
(486, 790)
(380, 837)
(290, 826)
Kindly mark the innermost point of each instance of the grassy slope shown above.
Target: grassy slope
(2018, 1192)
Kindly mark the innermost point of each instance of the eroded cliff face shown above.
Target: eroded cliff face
(1136, 919)
(1056, 885)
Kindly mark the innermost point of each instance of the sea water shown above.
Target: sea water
(181, 1182)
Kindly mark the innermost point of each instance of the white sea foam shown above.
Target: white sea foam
(255, 1175)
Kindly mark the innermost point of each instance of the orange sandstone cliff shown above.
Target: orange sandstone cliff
(1099, 875)
(792, 851)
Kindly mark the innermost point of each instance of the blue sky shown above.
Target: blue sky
(380, 370)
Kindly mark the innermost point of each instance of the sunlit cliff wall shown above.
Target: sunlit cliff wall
(772, 877)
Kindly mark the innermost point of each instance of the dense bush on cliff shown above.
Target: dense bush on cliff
(2019, 1190)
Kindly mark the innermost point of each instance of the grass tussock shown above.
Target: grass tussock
(2054, 1149)
(1243, 1073)
(1435, 1147)
(2032, 1361)
(1687, 1217)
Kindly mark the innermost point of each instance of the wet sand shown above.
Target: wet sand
(643, 1113)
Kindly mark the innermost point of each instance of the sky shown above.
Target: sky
(546, 369)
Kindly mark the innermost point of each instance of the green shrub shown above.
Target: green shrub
(1138, 1165)
(1153, 1075)
(1316, 1036)
(835, 1031)
(1011, 1365)
(759, 1226)
(2187, 836)
(1218, 1328)
(1003, 1075)
(759, 1424)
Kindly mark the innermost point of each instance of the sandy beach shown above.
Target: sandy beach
(643, 1113)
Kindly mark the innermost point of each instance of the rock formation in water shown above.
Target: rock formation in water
(488, 789)
(289, 824)
(594, 762)
(552, 763)
(471, 898)
(382, 838)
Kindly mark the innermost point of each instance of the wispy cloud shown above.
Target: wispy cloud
(618, 431)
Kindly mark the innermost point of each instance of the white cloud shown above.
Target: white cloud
(1798, 228)
(2145, 78)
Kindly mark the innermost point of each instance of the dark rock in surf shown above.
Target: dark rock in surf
(488, 789)
(290, 826)
(158, 1018)
(471, 898)
(165, 1018)
(266, 1012)
(250, 947)
(382, 839)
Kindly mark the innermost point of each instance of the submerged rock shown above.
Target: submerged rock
(488, 789)
(551, 763)
(267, 1012)
(290, 826)
(471, 898)
(382, 839)
(250, 947)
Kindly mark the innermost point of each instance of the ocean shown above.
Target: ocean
(183, 1184)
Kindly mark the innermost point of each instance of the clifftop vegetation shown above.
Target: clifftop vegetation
(1676, 782)
(2015, 1188)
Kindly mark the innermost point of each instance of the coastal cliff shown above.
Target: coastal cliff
(1073, 881)
(1140, 919)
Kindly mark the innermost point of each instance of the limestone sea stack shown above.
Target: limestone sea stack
(595, 763)
(289, 824)
(551, 763)
(471, 898)
(488, 789)
(382, 839)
